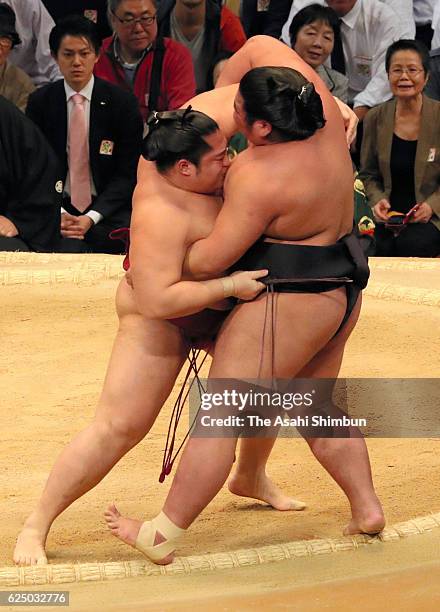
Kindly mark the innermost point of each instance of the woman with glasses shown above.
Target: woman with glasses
(400, 158)
(313, 32)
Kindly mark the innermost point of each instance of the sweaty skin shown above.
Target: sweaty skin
(300, 192)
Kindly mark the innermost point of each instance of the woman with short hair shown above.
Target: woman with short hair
(313, 33)
(400, 159)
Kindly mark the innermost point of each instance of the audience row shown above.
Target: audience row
(157, 58)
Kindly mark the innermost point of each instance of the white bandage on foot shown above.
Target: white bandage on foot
(147, 534)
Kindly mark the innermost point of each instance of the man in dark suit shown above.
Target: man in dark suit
(95, 129)
(29, 202)
(95, 10)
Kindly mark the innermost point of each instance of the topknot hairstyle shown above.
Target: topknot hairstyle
(178, 134)
(284, 98)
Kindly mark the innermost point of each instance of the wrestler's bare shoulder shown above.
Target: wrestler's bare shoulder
(219, 105)
(282, 160)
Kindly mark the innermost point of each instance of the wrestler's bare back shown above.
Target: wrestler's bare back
(314, 212)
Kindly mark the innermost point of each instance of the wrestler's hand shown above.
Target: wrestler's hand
(246, 287)
(380, 210)
(350, 121)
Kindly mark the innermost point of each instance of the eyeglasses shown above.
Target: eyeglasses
(130, 22)
(411, 72)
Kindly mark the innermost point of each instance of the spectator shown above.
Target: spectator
(435, 44)
(368, 27)
(423, 12)
(432, 89)
(159, 70)
(403, 10)
(253, 15)
(400, 161)
(205, 28)
(33, 56)
(15, 85)
(29, 210)
(95, 129)
(95, 10)
(312, 34)
(278, 14)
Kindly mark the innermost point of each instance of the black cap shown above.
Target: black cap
(7, 24)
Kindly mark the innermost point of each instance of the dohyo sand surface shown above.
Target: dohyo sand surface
(57, 327)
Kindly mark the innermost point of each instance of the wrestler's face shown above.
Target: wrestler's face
(314, 42)
(76, 58)
(210, 173)
(341, 7)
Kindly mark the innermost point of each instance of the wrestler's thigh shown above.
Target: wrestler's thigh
(146, 358)
(327, 362)
(303, 325)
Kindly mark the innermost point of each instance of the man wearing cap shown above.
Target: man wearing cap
(15, 85)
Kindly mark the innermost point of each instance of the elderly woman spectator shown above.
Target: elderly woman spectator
(313, 32)
(15, 85)
(400, 158)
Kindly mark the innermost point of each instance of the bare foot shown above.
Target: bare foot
(371, 524)
(262, 488)
(29, 549)
(127, 530)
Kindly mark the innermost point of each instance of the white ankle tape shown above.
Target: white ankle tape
(147, 534)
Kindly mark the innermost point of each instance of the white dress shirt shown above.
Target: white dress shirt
(402, 8)
(436, 26)
(34, 24)
(95, 216)
(423, 10)
(367, 31)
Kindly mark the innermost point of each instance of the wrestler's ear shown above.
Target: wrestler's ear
(185, 167)
(263, 128)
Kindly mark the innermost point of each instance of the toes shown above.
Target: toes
(115, 532)
(42, 561)
(296, 504)
(114, 509)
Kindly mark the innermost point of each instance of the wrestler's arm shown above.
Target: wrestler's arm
(266, 51)
(157, 250)
(241, 221)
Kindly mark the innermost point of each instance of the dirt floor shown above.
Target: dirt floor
(57, 327)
